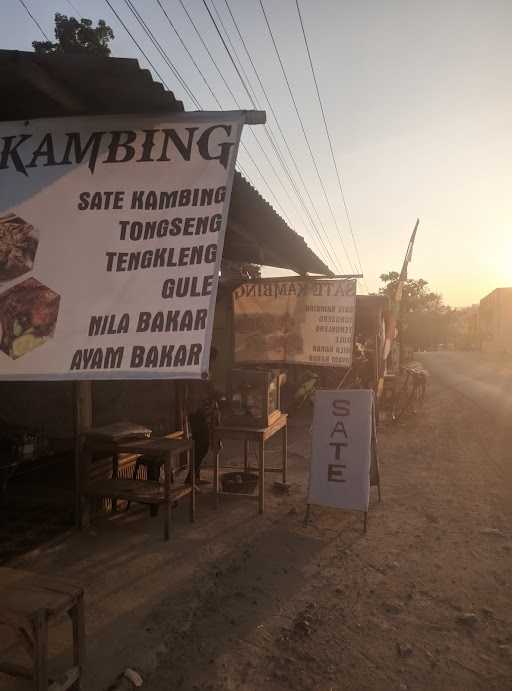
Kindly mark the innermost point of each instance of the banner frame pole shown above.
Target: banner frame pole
(303, 277)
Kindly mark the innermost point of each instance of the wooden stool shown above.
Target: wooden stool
(27, 603)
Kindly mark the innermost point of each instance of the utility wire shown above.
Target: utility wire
(194, 99)
(194, 62)
(272, 139)
(22, 3)
(283, 136)
(74, 8)
(137, 44)
(251, 158)
(235, 99)
(329, 138)
(205, 46)
(241, 77)
(304, 133)
(234, 50)
(171, 24)
(162, 52)
(166, 58)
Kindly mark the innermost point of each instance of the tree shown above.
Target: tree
(77, 37)
(415, 296)
(425, 322)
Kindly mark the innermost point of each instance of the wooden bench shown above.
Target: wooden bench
(149, 491)
(28, 602)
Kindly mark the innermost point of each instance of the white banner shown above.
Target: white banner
(111, 237)
(296, 321)
(342, 449)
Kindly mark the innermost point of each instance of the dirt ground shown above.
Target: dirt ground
(260, 603)
(423, 601)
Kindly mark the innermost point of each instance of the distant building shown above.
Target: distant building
(466, 328)
(496, 321)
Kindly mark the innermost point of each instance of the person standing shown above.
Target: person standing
(202, 409)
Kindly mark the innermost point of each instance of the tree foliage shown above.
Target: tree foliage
(415, 297)
(78, 37)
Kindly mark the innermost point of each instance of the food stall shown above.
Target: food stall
(55, 86)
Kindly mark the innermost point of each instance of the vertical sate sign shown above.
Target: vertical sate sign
(111, 237)
(342, 451)
(296, 321)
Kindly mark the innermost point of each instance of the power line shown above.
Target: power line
(74, 8)
(338, 176)
(205, 46)
(253, 103)
(137, 44)
(251, 158)
(162, 52)
(166, 58)
(246, 83)
(164, 55)
(283, 136)
(159, 3)
(267, 129)
(235, 99)
(45, 35)
(229, 54)
(242, 68)
(305, 134)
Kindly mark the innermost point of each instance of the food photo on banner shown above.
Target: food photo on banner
(295, 321)
(111, 238)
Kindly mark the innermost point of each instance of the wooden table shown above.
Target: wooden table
(248, 434)
(28, 602)
(147, 491)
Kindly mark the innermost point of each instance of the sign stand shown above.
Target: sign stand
(374, 470)
(344, 451)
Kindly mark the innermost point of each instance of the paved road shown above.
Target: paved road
(485, 379)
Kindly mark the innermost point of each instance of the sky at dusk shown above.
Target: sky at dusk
(418, 99)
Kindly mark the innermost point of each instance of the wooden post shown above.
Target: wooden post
(216, 470)
(167, 492)
(40, 630)
(83, 416)
(192, 471)
(246, 455)
(261, 478)
(285, 451)
(78, 622)
(115, 476)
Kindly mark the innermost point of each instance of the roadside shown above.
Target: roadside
(485, 378)
(249, 603)
(421, 602)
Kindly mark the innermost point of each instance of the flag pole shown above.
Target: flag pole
(398, 307)
(396, 300)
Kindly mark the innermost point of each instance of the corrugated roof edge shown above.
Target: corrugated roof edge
(92, 84)
(241, 182)
(61, 85)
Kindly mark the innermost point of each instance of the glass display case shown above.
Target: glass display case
(253, 398)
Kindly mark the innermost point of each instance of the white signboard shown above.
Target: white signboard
(111, 236)
(295, 321)
(342, 449)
